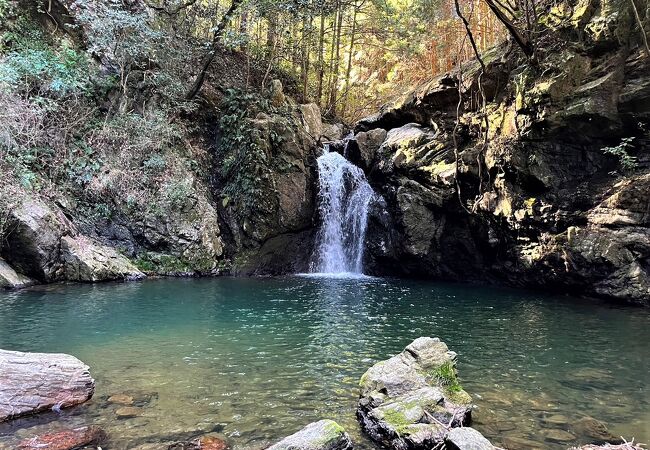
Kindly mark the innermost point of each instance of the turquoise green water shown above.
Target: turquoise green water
(257, 359)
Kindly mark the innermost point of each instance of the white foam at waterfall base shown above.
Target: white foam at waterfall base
(344, 197)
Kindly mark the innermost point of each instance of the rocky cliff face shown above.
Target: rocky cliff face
(552, 175)
(134, 182)
(547, 184)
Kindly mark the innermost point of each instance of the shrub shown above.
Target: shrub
(621, 151)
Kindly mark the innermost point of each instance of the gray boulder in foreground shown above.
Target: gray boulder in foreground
(412, 400)
(35, 382)
(466, 438)
(321, 435)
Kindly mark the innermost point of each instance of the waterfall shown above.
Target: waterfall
(344, 197)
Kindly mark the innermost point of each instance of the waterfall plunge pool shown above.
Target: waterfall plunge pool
(257, 359)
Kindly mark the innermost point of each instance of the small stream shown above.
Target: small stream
(257, 359)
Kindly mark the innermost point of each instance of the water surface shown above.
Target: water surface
(257, 359)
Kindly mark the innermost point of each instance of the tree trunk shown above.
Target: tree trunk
(336, 56)
(522, 41)
(349, 68)
(209, 57)
(321, 63)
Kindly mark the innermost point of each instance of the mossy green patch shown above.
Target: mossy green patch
(445, 375)
(396, 419)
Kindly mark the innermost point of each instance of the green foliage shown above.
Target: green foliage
(155, 164)
(446, 376)
(177, 192)
(244, 163)
(34, 66)
(83, 163)
(621, 151)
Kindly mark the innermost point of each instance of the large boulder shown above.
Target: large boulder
(10, 279)
(363, 148)
(321, 435)
(413, 399)
(273, 198)
(84, 260)
(44, 244)
(404, 147)
(35, 382)
(32, 245)
(312, 120)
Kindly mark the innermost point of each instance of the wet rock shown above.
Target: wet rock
(69, 439)
(84, 260)
(35, 382)
(121, 399)
(127, 412)
(466, 438)
(412, 399)
(10, 279)
(201, 443)
(321, 435)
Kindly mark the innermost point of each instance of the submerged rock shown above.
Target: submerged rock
(201, 443)
(121, 399)
(467, 438)
(559, 436)
(321, 435)
(127, 412)
(35, 382)
(521, 443)
(66, 439)
(593, 429)
(411, 400)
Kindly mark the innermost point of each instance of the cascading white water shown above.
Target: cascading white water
(344, 197)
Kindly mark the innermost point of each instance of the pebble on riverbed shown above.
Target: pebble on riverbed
(121, 399)
(207, 442)
(127, 412)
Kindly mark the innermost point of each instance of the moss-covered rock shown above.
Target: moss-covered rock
(410, 400)
(321, 435)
